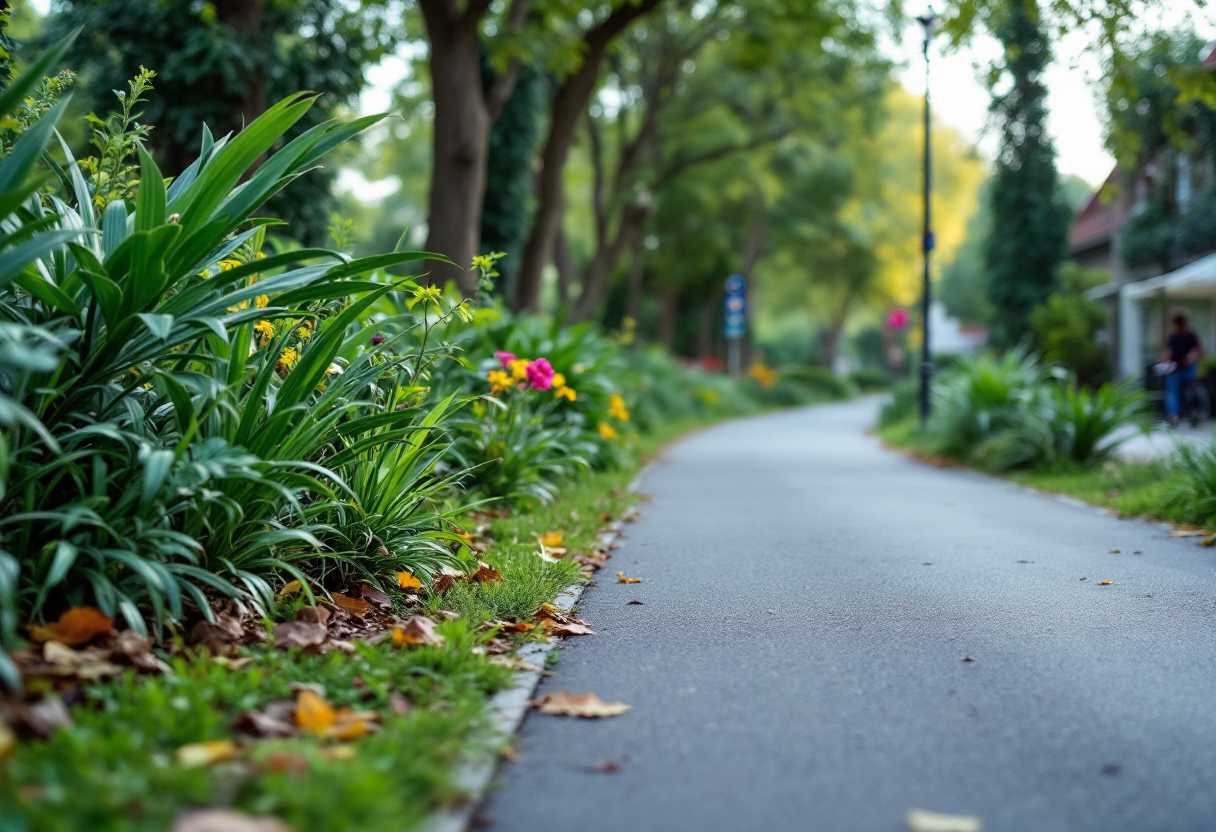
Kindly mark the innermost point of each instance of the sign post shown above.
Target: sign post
(735, 302)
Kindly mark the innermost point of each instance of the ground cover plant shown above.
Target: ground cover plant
(271, 518)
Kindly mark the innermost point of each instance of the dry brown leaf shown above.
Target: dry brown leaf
(375, 596)
(406, 580)
(550, 540)
(622, 578)
(552, 613)
(76, 627)
(356, 606)
(226, 820)
(417, 629)
(589, 561)
(276, 719)
(299, 634)
(922, 821)
(513, 663)
(1208, 541)
(485, 573)
(1103, 583)
(291, 588)
(570, 628)
(88, 664)
(586, 705)
(635, 602)
(511, 626)
(281, 762)
(207, 753)
(442, 584)
(314, 615)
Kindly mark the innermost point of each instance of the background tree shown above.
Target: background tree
(221, 63)
(1028, 212)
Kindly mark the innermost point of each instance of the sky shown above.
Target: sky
(960, 100)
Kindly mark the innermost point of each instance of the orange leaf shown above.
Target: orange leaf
(551, 539)
(77, 626)
(622, 578)
(514, 626)
(1103, 583)
(291, 589)
(406, 580)
(418, 629)
(356, 605)
(314, 714)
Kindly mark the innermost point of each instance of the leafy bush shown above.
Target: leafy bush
(869, 379)
(981, 397)
(1066, 325)
(821, 382)
(1192, 482)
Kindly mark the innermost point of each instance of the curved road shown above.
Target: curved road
(798, 662)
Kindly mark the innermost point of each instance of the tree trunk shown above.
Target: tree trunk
(569, 104)
(461, 131)
(244, 18)
(565, 268)
(597, 278)
(709, 316)
(633, 297)
(669, 317)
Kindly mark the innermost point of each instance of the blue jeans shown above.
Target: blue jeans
(1174, 384)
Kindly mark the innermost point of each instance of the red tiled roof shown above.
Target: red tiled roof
(1097, 219)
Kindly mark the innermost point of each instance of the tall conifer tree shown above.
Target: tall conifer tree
(1029, 215)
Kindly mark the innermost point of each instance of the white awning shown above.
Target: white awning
(1194, 280)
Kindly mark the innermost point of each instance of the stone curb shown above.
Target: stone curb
(508, 706)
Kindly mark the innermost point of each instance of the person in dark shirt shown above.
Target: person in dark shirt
(1182, 350)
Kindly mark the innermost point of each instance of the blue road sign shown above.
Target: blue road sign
(735, 303)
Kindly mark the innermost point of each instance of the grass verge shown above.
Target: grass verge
(120, 765)
(1131, 489)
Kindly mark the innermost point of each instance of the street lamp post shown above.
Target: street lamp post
(929, 21)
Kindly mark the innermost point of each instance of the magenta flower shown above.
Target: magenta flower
(377, 340)
(540, 374)
(504, 358)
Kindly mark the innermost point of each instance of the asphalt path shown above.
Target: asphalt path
(798, 662)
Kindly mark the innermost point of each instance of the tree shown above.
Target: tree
(220, 63)
(1027, 209)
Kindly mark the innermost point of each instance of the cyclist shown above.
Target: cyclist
(1180, 360)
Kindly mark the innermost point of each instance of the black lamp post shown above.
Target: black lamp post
(929, 21)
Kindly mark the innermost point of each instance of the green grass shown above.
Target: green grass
(116, 770)
(1130, 488)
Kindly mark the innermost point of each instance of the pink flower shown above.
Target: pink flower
(504, 358)
(898, 319)
(540, 374)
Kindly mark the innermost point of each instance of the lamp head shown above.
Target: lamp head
(929, 21)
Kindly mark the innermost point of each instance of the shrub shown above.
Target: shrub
(1192, 482)
(869, 379)
(821, 382)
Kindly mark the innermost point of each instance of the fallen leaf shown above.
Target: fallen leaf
(968, 659)
(513, 663)
(1114, 551)
(550, 540)
(1207, 541)
(338, 753)
(76, 627)
(41, 719)
(299, 634)
(572, 628)
(608, 767)
(406, 580)
(442, 584)
(417, 629)
(448, 615)
(352, 605)
(922, 821)
(638, 603)
(281, 762)
(589, 561)
(314, 615)
(291, 589)
(1103, 583)
(485, 573)
(314, 714)
(375, 596)
(511, 626)
(622, 578)
(207, 753)
(226, 820)
(605, 517)
(586, 705)
(88, 664)
(1188, 533)
(276, 719)
(552, 613)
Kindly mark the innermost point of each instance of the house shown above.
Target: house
(1154, 230)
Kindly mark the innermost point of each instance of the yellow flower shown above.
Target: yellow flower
(263, 331)
(617, 409)
(607, 431)
(763, 375)
(260, 256)
(499, 381)
(565, 392)
(304, 330)
(559, 380)
(262, 301)
(519, 369)
(287, 360)
(225, 265)
(242, 305)
(427, 293)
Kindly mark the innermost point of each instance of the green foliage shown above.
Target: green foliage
(1029, 218)
(1012, 411)
(216, 68)
(869, 379)
(821, 382)
(1192, 483)
(1066, 326)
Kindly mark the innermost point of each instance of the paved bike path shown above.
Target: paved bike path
(797, 664)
